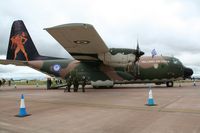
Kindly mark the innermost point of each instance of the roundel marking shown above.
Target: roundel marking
(81, 41)
(56, 67)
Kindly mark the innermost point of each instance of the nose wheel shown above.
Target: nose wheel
(170, 84)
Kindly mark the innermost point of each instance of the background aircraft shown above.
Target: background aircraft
(102, 66)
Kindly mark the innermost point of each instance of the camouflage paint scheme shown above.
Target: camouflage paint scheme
(157, 69)
(116, 65)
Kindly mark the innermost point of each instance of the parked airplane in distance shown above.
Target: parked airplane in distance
(101, 65)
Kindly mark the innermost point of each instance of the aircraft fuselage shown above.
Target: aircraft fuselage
(160, 69)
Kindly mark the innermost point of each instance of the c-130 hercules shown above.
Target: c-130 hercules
(101, 65)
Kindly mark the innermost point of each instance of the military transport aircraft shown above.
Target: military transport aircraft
(101, 65)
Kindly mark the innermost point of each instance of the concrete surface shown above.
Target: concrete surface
(118, 110)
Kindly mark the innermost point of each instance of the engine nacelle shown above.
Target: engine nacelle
(117, 57)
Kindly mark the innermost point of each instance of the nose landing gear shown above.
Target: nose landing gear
(169, 83)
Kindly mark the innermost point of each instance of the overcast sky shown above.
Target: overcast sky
(172, 27)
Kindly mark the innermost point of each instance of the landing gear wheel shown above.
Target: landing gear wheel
(95, 87)
(110, 86)
(75, 90)
(170, 84)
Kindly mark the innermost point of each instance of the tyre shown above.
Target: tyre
(170, 84)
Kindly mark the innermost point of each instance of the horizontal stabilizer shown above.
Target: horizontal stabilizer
(15, 62)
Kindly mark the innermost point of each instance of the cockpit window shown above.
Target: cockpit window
(176, 61)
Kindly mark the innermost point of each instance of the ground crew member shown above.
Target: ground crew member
(179, 83)
(83, 83)
(69, 83)
(49, 83)
(9, 82)
(76, 84)
(3, 82)
(194, 83)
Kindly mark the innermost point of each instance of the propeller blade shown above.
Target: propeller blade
(137, 53)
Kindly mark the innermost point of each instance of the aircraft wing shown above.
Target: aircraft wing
(81, 40)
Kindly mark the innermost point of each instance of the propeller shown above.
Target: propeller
(138, 53)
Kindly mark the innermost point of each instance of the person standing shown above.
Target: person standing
(76, 84)
(49, 83)
(83, 83)
(69, 83)
(194, 82)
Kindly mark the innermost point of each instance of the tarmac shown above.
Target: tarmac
(118, 110)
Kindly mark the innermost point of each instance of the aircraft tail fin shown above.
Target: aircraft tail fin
(21, 46)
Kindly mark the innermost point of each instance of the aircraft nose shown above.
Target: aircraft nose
(187, 72)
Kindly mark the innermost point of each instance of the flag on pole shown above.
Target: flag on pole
(153, 52)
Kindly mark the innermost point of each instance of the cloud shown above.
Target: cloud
(19, 72)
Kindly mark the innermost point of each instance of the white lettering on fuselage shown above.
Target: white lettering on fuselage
(154, 61)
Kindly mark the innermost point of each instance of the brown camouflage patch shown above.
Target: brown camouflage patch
(36, 64)
(110, 72)
(70, 67)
